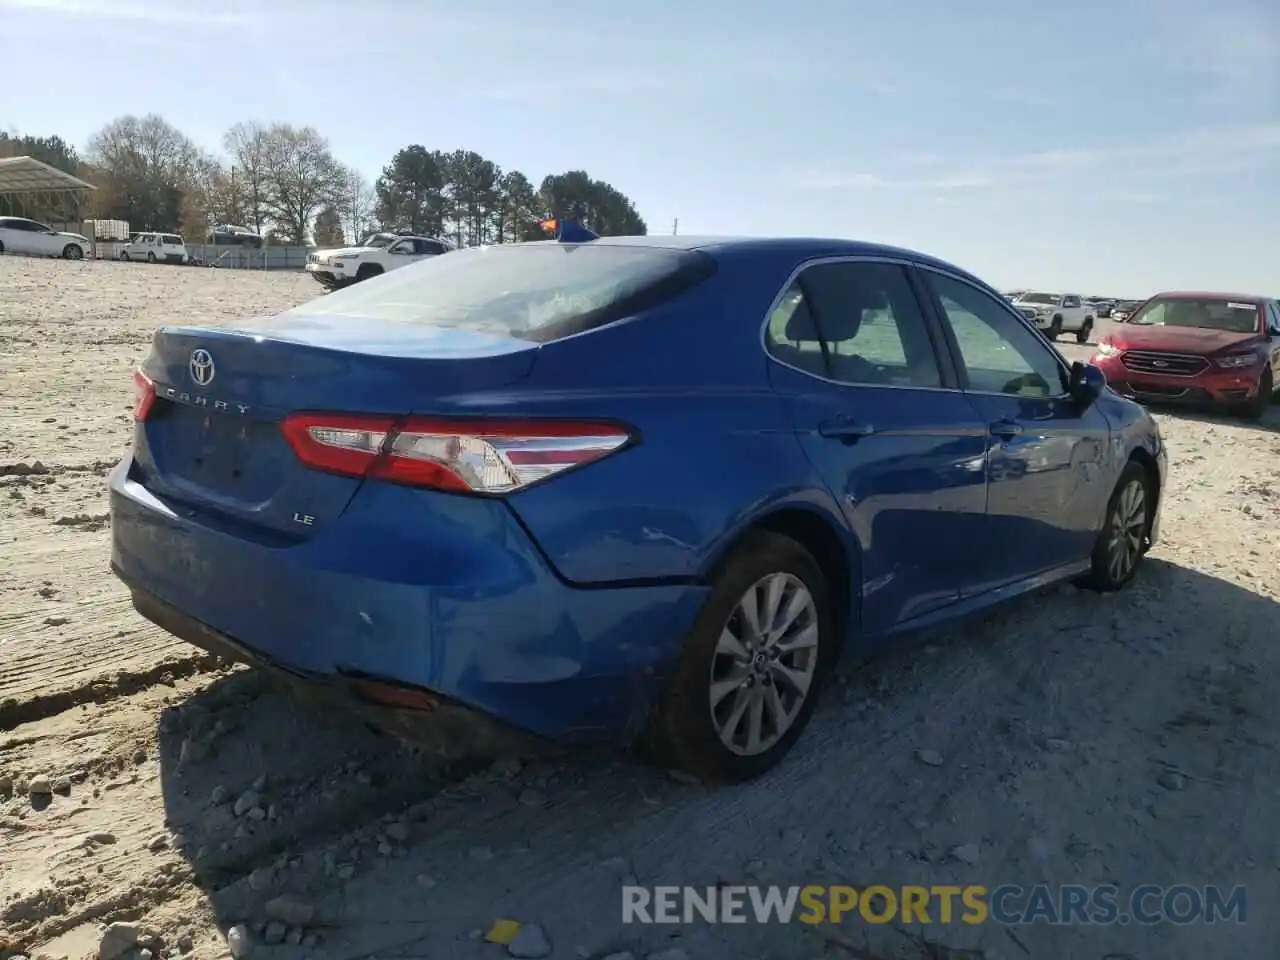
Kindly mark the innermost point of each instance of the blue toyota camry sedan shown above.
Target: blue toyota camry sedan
(619, 489)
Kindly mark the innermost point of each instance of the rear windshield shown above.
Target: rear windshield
(1232, 316)
(539, 291)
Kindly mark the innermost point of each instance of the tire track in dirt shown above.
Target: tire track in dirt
(190, 798)
(68, 633)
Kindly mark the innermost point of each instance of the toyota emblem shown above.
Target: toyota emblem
(201, 367)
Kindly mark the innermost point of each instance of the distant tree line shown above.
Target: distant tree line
(285, 182)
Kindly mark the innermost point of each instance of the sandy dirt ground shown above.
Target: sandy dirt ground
(155, 803)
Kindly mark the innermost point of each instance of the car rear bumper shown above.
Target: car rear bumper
(1214, 386)
(444, 598)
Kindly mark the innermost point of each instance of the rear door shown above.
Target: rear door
(23, 236)
(900, 447)
(1046, 489)
(11, 235)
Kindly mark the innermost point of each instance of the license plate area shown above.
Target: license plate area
(232, 455)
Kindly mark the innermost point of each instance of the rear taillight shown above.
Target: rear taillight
(466, 456)
(144, 395)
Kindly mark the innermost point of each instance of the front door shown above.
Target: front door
(1046, 493)
(47, 241)
(405, 251)
(1273, 334)
(899, 448)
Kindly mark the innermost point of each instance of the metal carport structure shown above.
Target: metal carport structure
(30, 185)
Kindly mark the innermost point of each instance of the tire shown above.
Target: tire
(72, 251)
(1055, 329)
(684, 729)
(367, 270)
(124, 255)
(151, 258)
(1255, 408)
(1124, 529)
(1082, 335)
(1, 246)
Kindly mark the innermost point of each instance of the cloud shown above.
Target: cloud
(1197, 152)
(138, 12)
(585, 85)
(1233, 51)
(819, 180)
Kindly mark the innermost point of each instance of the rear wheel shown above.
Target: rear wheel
(1082, 335)
(1255, 408)
(72, 251)
(752, 666)
(124, 255)
(151, 258)
(1122, 542)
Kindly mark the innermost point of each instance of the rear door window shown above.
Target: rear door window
(865, 322)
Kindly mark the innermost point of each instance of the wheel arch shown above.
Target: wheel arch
(820, 532)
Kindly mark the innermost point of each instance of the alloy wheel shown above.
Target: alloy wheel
(1128, 527)
(764, 664)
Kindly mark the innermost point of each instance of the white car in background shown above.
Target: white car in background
(1056, 313)
(20, 235)
(379, 253)
(155, 248)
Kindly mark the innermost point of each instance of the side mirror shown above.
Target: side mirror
(1087, 383)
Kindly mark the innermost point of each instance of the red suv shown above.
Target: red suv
(1201, 348)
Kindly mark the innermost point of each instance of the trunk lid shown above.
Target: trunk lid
(212, 442)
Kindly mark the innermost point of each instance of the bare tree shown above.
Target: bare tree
(248, 145)
(356, 205)
(201, 199)
(301, 177)
(147, 165)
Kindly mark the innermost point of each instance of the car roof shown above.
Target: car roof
(799, 248)
(1210, 295)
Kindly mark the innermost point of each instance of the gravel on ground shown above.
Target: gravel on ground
(157, 803)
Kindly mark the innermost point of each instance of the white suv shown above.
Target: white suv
(155, 248)
(379, 253)
(20, 235)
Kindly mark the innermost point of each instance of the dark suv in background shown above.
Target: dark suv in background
(229, 235)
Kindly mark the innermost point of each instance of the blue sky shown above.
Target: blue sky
(1116, 147)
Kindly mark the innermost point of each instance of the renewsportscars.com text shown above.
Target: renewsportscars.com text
(1008, 904)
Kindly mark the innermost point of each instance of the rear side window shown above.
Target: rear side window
(172, 240)
(538, 292)
(855, 323)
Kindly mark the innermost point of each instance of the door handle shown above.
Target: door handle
(845, 430)
(1005, 429)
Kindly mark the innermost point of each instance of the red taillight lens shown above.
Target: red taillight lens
(466, 456)
(144, 396)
